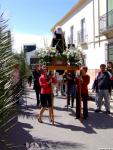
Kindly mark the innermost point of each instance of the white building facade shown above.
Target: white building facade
(88, 25)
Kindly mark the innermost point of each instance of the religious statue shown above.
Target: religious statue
(58, 40)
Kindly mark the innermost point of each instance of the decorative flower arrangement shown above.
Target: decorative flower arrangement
(71, 56)
(74, 56)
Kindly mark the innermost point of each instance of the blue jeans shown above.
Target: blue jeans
(106, 95)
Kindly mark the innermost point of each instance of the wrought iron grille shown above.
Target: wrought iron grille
(106, 21)
(82, 37)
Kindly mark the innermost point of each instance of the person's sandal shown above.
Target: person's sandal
(52, 122)
(40, 120)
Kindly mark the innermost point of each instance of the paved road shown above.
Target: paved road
(68, 133)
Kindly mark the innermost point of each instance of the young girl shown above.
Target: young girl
(46, 82)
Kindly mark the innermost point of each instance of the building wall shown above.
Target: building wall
(96, 52)
(103, 7)
(29, 55)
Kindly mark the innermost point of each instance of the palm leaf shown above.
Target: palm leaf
(7, 62)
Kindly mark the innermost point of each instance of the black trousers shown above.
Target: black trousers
(71, 93)
(37, 96)
(37, 89)
(85, 105)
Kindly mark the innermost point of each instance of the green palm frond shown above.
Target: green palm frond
(7, 62)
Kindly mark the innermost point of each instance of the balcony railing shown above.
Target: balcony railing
(106, 22)
(82, 37)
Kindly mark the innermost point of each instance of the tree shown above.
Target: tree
(8, 94)
(7, 62)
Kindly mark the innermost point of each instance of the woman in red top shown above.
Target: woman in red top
(46, 95)
(82, 93)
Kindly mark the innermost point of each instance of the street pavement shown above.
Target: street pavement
(68, 133)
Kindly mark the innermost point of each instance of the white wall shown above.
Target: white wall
(29, 55)
(95, 54)
(103, 7)
(75, 20)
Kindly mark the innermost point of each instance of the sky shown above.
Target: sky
(30, 21)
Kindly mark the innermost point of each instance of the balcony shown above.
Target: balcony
(82, 38)
(106, 24)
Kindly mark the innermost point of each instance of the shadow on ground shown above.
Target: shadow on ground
(17, 137)
(41, 144)
(94, 122)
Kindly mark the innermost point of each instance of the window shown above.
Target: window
(71, 34)
(110, 52)
(83, 26)
(110, 14)
(110, 5)
(64, 33)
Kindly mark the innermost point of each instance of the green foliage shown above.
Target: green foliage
(7, 62)
(9, 90)
(20, 59)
